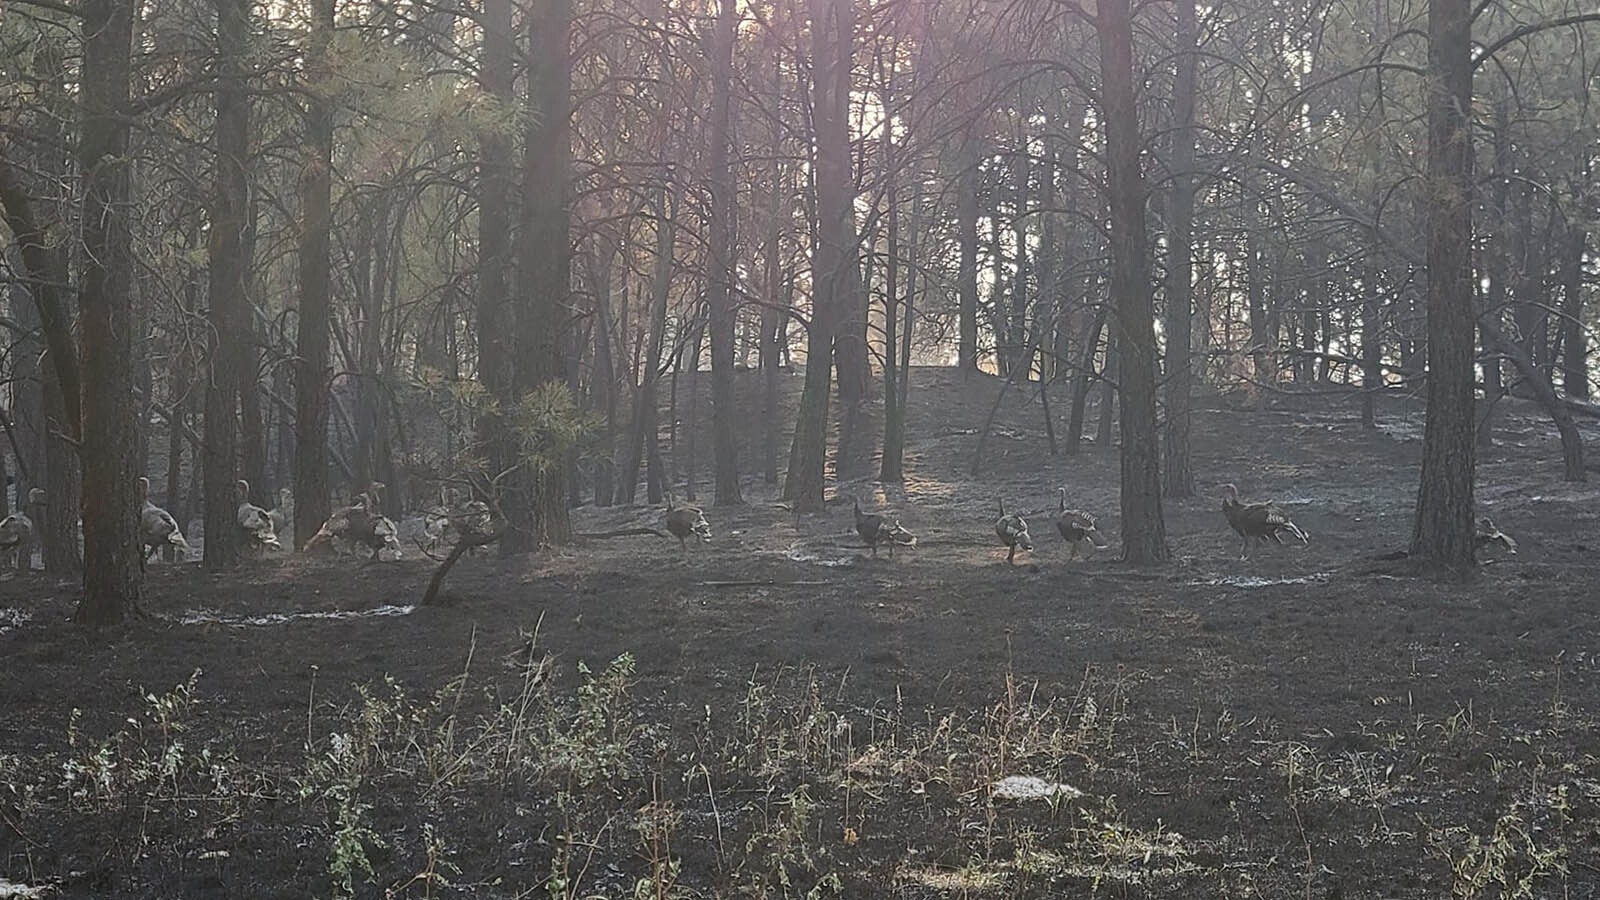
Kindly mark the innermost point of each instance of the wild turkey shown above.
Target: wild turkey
(683, 521)
(1077, 526)
(282, 515)
(425, 529)
(1488, 534)
(157, 527)
(881, 529)
(1262, 521)
(1013, 532)
(255, 525)
(359, 525)
(16, 534)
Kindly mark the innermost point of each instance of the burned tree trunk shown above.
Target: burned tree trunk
(1371, 352)
(833, 257)
(46, 267)
(719, 289)
(1574, 337)
(1144, 539)
(313, 371)
(226, 295)
(642, 435)
(1083, 382)
(890, 468)
(1179, 472)
(538, 507)
(1443, 534)
(772, 336)
(1504, 241)
(113, 577)
(967, 274)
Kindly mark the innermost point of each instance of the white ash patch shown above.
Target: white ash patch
(1256, 581)
(211, 617)
(831, 557)
(1032, 787)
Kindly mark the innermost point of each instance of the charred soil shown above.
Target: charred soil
(776, 714)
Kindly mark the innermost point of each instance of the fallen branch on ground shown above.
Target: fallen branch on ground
(466, 543)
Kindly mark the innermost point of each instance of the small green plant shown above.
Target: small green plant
(148, 761)
(779, 852)
(338, 774)
(351, 838)
(593, 743)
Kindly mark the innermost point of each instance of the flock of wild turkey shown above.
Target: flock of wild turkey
(353, 528)
(1253, 521)
(359, 527)
(362, 527)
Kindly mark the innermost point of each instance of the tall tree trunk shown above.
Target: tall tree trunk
(1004, 355)
(252, 419)
(1314, 300)
(496, 182)
(283, 434)
(1371, 351)
(313, 369)
(46, 270)
(182, 375)
(1144, 539)
(41, 450)
(689, 359)
(719, 289)
(1179, 471)
(832, 258)
(113, 577)
(605, 372)
(1443, 534)
(642, 435)
(1082, 381)
(894, 435)
(1574, 337)
(46, 267)
(908, 322)
(1071, 291)
(1017, 321)
(227, 242)
(1503, 238)
(370, 291)
(1263, 336)
(1108, 395)
(967, 273)
(771, 335)
(1532, 290)
(538, 510)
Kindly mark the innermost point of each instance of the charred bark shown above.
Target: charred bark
(832, 258)
(113, 577)
(1179, 471)
(1144, 540)
(719, 290)
(1444, 532)
(226, 295)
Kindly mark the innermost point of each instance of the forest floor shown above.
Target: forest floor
(774, 714)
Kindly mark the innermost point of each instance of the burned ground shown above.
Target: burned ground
(773, 714)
